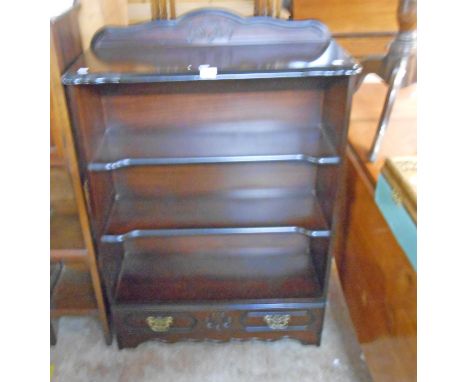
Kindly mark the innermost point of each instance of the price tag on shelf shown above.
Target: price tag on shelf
(208, 72)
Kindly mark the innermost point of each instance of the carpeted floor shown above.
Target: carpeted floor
(81, 355)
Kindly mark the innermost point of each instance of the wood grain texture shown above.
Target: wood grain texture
(162, 9)
(350, 16)
(365, 45)
(407, 15)
(363, 27)
(62, 197)
(65, 47)
(61, 36)
(378, 280)
(218, 269)
(224, 256)
(65, 232)
(217, 323)
(95, 14)
(73, 294)
(379, 284)
(140, 10)
(401, 135)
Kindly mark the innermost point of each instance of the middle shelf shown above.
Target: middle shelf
(213, 196)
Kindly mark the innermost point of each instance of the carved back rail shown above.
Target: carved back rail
(213, 37)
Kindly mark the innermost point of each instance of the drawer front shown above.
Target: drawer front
(170, 324)
(159, 322)
(292, 320)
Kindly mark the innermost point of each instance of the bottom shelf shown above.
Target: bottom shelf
(73, 294)
(220, 267)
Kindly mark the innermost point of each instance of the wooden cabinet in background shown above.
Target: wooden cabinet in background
(378, 279)
(75, 283)
(363, 27)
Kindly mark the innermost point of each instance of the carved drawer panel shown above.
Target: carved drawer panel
(159, 321)
(281, 320)
(218, 322)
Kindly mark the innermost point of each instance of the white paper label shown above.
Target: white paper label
(208, 72)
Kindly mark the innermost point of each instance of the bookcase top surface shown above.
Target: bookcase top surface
(210, 44)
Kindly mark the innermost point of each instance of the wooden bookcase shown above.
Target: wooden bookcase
(75, 284)
(213, 196)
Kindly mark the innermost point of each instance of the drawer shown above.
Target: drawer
(217, 322)
(289, 320)
(159, 321)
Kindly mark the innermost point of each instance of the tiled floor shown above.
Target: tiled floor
(81, 355)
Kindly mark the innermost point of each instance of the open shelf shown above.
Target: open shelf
(73, 293)
(246, 141)
(218, 267)
(216, 210)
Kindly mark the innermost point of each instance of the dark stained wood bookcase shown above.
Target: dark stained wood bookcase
(210, 150)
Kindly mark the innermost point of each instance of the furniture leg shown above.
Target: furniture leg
(395, 83)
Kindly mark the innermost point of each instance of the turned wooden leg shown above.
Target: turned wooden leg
(397, 68)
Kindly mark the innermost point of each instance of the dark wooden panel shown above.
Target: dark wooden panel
(215, 211)
(86, 111)
(132, 96)
(216, 322)
(73, 294)
(214, 37)
(228, 139)
(185, 105)
(217, 267)
(67, 40)
(233, 179)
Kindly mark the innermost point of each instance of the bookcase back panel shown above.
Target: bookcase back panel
(235, 179)
(218, 211)
(187, 104)
(211, 142)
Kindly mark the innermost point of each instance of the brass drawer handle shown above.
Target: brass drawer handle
(277, 321)
(159, 324)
